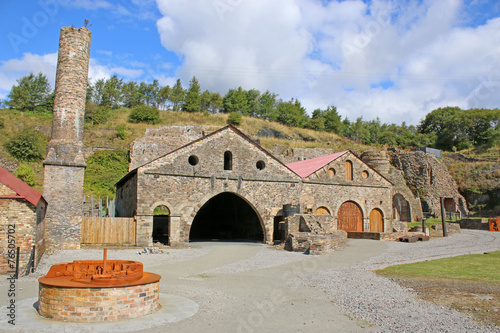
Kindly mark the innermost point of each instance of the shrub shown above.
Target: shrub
(26, 146)
(26, 174)
(144, 114)
(235, 118)
(121, 132)
(96, 114)
(104, 169)
(2, 123)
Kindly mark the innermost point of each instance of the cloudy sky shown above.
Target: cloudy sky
(396, 60)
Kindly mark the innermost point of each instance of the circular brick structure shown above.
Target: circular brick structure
(98, 290)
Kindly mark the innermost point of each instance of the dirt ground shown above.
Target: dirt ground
(479, 301)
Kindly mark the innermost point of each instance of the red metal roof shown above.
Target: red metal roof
(23, 190)
(308, 167)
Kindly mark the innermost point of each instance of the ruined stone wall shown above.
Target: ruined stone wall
(158, 142)
(428, 178)
(65, 161)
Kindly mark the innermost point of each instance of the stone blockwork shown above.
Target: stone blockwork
(98, 304)
(65, 161)
(161, 141)
(428, 178)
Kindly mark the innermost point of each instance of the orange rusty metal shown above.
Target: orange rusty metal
(98, 273)
(494, 224)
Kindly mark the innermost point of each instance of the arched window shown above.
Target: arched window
(348, 170)
(228, 160)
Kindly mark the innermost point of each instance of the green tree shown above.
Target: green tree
(131, 96)
(235, 101)
(216, 103)
(32, 93)
(205, 100)
(112, 92)
(235, 118)
(290, 113)
(163, 97)
(192, 101)
(267, 105)
(177, 95)
(253, 102)
(331, 119)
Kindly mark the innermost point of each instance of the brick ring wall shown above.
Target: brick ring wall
(98, 304)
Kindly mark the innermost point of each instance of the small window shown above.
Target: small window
(260, 165)
(365, 174)
(193, 160)
(228, 160)
(331, 172)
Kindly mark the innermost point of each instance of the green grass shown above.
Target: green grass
(480, 268)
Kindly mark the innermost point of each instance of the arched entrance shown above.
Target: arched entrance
(401, 208)
(226, 216)
(322, 211)
(376, 220)
(350, 217)
(161, 222)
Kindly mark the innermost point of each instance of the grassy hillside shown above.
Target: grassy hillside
(117, 134)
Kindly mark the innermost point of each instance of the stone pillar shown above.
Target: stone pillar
(64, 164)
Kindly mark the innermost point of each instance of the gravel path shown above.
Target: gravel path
(255, 288)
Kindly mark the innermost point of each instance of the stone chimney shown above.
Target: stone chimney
(64, 164)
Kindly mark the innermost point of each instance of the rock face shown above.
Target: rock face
(428, 178)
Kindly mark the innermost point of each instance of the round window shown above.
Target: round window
(365, 174)
(193, 160)
(260, 165)
(331, 172)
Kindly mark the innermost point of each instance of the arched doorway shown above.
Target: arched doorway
(401, 208)
(322, 211)
(226, 216)
(350, 217)
(376, 220)
(161, 223)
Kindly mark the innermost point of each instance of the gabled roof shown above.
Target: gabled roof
(308, 167)
(23, 190)
(228, 127)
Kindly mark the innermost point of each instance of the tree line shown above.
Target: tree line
(449, 128)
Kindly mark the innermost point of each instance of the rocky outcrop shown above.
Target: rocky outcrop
(429, 179)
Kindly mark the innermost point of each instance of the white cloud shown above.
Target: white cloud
(337, 53)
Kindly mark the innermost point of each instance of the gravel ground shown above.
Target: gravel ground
(381, 301)
(256, 288)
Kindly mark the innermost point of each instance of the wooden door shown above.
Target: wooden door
(350, 217)
(376, 221)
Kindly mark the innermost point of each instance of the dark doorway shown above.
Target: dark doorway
(161, 224)
(226, 217)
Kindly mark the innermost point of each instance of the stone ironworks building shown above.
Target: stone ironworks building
(224, 185)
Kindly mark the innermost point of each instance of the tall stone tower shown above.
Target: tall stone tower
(64, 164)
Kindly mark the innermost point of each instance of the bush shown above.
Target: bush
(96, 114)
(121, 132)
(104, 169)
(26, 174)
(235, 118)
(26, 146)
(144, 114)
(2, 123)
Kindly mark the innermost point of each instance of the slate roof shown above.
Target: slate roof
(308, 167)
(23, 190)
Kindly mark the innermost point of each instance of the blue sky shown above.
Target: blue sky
(396, 60)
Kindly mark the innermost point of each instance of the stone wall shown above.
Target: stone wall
(161, 141)
(428, 178)
(478, 224)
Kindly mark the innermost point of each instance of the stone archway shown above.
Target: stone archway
(227, 216)
(401, 208)
(350, 217)
(322, 211)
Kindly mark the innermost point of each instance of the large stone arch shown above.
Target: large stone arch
(226, 216)
(401, 208)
